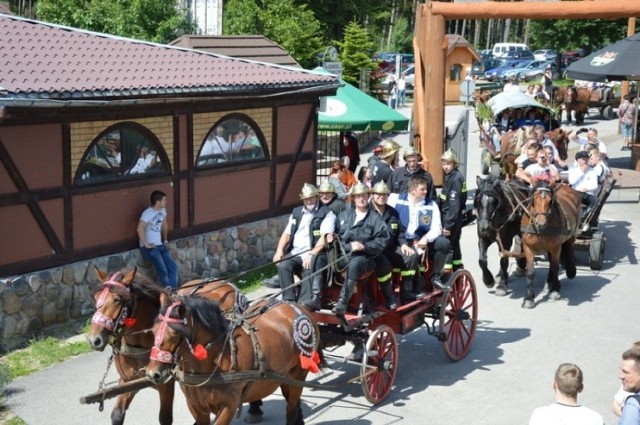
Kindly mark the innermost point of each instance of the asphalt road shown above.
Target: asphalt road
(507, 374)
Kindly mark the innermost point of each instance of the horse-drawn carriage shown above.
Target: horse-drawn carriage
(518, 105)
(546, 220)
(578, 100)
(222, 363)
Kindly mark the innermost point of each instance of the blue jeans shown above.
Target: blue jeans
(162, 261)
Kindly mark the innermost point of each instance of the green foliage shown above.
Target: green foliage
(41, 354)
(356, 50)
(402, 37)
(565, 34)
(241, 17)
(151, 20)
(292, 26)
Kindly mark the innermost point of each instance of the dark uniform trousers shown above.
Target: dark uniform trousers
(293, 265)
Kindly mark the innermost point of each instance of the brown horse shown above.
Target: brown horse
(574, 99)
(270, 344)
(127, 304)
(510, 148)
(550, 226)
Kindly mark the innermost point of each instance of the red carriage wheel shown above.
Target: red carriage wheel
(379, 364)
(459, 315)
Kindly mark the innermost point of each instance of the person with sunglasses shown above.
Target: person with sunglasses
(590, 138)
(541, 170)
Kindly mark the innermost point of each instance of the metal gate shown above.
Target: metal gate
(328, 153)
(457, 137)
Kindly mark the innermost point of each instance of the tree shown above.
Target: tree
(292, 26)
(356, 51)
(565, 34)
(152, 20)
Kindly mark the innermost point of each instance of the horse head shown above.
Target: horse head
(486, 203)
(570, 95)
(114, 306)
(186, 326)
(541, 203)
(560, 139)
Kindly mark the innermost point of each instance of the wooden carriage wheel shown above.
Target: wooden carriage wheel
(379, 364)
(459, 315)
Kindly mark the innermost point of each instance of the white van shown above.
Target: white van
(501, 49)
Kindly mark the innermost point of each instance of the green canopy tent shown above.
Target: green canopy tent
(353, 110)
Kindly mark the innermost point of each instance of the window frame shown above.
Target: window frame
(149, 139)
(245, 119)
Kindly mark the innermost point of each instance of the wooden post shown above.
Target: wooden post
(429, 102)
(631, 30)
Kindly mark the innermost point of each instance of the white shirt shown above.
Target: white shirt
(302, 238)
(583, 181)
(153, 229)
(582, 141)
(562, 414)
(401, 84)
(142, 164)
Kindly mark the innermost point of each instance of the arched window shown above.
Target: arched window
(125, 151)
(234, 138)
(455, 74)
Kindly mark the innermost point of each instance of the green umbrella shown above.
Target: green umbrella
(352, 109)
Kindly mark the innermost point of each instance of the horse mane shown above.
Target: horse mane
(207, 312)
(141, 285)
(488, 187)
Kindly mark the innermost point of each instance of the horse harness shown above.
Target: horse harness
(216, 378)
(549, 231)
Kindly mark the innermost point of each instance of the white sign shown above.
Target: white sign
(333, 67)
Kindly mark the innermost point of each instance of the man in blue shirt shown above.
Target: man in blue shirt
(630, 377)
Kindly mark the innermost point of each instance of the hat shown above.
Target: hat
(308, 191)
(411, 151)
(377, 149)
(582, 154)
(389, 147)
(359, 189)
(450, 155)
(380, 188)
(327, 187)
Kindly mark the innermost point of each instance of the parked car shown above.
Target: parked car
(517, 71)
(535, 73)
(519, 54)
(496, 73)
(409, 76)
(480, 67)
(545, 54)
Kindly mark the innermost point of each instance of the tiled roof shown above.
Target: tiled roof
(41, 60)
(252, 47)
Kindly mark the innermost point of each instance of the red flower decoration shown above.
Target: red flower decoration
(129, 322)
(199, 352)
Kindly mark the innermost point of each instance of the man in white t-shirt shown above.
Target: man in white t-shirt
(591, 137)
(566, 410)
(540, 171)
(585, 180)
(152, 233)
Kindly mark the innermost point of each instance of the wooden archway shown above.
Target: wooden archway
(430, 47)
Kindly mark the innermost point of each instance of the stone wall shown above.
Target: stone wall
(34, 304)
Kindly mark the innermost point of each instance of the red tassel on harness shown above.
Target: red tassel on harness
(129, 322)
(310, 363)
(199, 352)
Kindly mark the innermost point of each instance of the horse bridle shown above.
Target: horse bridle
(543, 190)
(167, 357)
(112, 325)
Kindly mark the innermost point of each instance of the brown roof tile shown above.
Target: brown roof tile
(252, 47)
(41, 60)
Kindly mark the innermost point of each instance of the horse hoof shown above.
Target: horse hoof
(555, 296)
(529, 304)
(501, 290)
(253, 418)
(490, 284)
(571, 272)
(519, 272)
